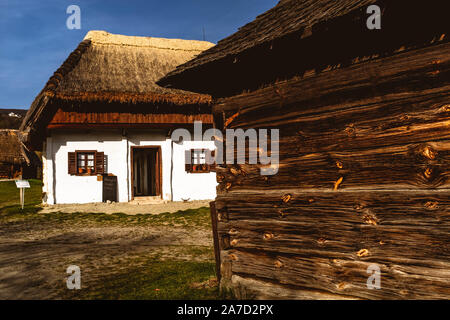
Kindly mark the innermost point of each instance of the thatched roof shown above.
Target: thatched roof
(115, 68)
(298, 36)
(122, 68)
(12, 149)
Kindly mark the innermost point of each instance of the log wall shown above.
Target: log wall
(364, 179)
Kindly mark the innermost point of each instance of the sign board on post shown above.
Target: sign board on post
(22, 184)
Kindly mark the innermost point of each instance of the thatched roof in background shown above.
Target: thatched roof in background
(122, 68)
(287, 17)
(116, 68)
(12, 150)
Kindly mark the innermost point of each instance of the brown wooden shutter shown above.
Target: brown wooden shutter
(72, 163)
(187, 160)
(99, 162)
(210, 159)
(209, 154)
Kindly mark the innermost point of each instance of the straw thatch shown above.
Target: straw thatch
(12, 149)
(115, 68)
(121, 68)
(287, 17)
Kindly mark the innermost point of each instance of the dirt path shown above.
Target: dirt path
(34, 257)
(127, 208)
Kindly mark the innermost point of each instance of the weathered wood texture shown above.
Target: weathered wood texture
(248, 288)
(364, 179)
(71, 118)
(315, 240)
(417, 69)
(215, 234)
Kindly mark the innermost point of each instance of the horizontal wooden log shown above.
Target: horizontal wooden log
(340, 239)
(340, 225)
(363, 125)
(427, 66)
(326, 240)
(413, 166)
(344, 277)
(401, 108)
(389, 207)
(248, 288)
(376, 145)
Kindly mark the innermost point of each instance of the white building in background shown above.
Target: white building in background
(146, 164)
(104, 126)
(14, 115)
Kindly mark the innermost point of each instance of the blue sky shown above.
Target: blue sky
(34, 39)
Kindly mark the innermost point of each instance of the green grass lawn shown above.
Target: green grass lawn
(144, 276)
(10, 197)
(10, 210)
(154, 280)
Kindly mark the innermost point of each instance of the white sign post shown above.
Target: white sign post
(22, 184)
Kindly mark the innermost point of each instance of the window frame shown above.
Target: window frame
(199, 168)
(86, 152)
(96, 169)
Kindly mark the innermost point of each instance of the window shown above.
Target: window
(86, 163)
(198, 156)
(199, 161)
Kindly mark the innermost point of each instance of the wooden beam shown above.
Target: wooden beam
(426, 64)
(112, 118)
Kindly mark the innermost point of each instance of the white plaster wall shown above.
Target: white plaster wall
(86, 189)
(193, 186)
(62, 188)
(45, 172)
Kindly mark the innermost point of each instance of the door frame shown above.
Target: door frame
(159, 164)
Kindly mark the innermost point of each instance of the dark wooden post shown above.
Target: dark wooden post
(212, 206)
